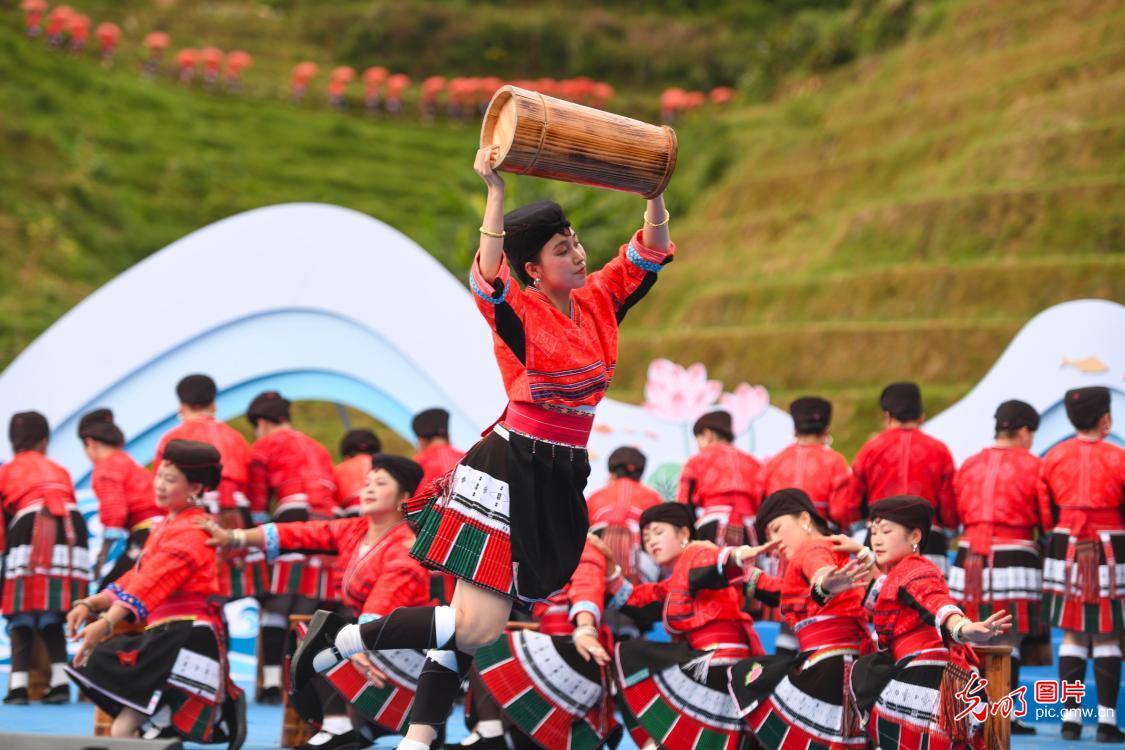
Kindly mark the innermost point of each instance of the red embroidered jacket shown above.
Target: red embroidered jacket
(288, 463)
(996, 496)
(436, 461)
(375, 580)
(31, 477)
(1082, 487)
(721, 475)
(702, 603)
(615, 515)
(546, 357)
(124, 491)
(350, 476)
(904, 462)
(233, 451)
(821, 472)
(176, 573)
(586, 592)
(910, 603)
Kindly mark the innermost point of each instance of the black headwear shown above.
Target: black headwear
(717, 421)
(1085, 406)
(196, 390)
(631, 460)
(431, 423)
(787, 502)
(526, 231)
(1012, 415)
(199, 462)
(27, 429)
(903, 401)
(360, 441)
(269, 406)
(407, 473)
(811, 415)
(98, 425)
(911, 511)
(676, 514)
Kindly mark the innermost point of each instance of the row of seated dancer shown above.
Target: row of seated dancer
(646, 562)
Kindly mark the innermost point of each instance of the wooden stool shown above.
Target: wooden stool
(996, 667)
(103, 721)
(294, 730)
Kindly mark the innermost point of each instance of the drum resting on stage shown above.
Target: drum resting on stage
(546, 137)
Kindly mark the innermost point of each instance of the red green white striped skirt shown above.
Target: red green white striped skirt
(1084, 582)
(1009, 577)
(47, 565)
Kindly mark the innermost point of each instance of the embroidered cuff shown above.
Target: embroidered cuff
(873, 593)
(368, 617)
(752, 582)
(645, 265)
(585, 607)
(487, 291)
(132, 603)
(946, 612)
(114, 532)
(617, 601)
(273, 542)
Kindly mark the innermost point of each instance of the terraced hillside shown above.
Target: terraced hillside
(905, 217)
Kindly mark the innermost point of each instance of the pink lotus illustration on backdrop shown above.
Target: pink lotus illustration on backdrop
(747, 403)
(679, 393)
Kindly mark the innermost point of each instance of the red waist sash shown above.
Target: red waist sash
(839, 632)
(916, 640)
(547, 424)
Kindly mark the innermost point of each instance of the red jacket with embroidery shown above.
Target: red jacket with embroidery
(722, 475)
(586, 592)
(436, 460)
(615, 514)
(546, 357)
(350, 476)
(702, 601)
(124, 491)
(287, 463)
(904, 462)
(176, 563)
(799, 602)
(996, 496)
(821, 472)
(30, 477)
(376, 580)
(910, 604)
(232, 447)
(1082, 487)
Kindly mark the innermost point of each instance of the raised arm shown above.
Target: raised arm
(491, 255)
(656, 225)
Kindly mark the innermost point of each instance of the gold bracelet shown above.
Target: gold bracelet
(667, 216)
(497, 235)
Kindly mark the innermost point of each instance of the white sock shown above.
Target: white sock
(348, 641)
(1107, 715)
(490, 728)
(470, 739)
(1111, 650)
(271, 676)
(408, 744)
(323, 737)
(1072, 715)
(58, 675)
(336, 724)
(18, 680)
(445, 624)
(445, 658)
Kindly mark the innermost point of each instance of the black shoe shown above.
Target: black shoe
(270, 696)
(57, 695)
(17, 697)
(1019, 727)
(321, 635)
(347, 741)
(1071, 730)
(236, 723)
(1109, 733)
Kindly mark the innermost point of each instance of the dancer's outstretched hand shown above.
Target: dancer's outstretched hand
(985, 631)
(851, 575)
(589, 647)
(367, 668)
(844, 543)
(96, 632)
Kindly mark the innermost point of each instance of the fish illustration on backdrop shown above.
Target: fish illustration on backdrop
(1086, 364)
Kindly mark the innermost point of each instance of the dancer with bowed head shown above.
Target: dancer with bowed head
(510, 520)
(173, 676)
(801, 699)
(907, 691)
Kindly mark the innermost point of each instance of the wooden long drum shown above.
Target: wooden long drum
(543, 136)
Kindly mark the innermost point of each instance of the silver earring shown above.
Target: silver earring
(535, 282)
(808, 529)
(915, 548)
(683, 544)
